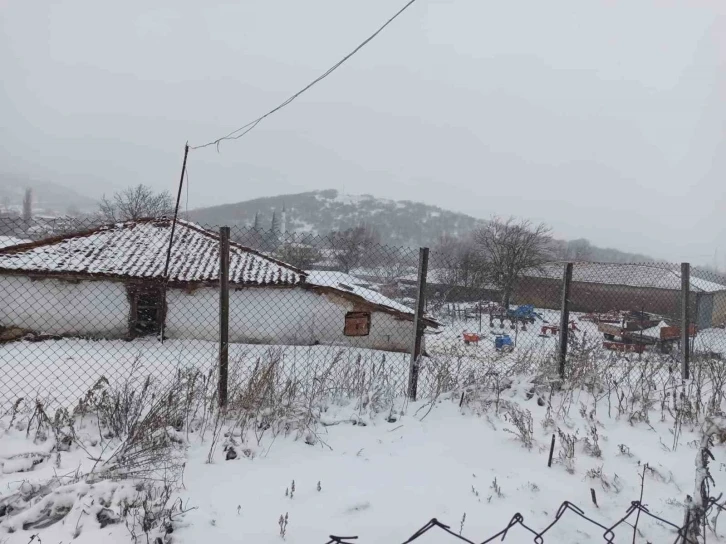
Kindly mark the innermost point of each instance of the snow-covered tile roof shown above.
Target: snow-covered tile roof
(656, 275)
(138, 250)
(347, 283)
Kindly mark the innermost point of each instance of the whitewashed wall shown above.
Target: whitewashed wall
(278, 316)
(88, 308)
(257, 315)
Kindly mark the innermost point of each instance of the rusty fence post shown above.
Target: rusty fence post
(418, 324)
(685, 320)
(564, 319)
(223, 314)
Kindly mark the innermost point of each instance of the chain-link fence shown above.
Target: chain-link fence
(82, 301)
(621, 322)
(97, 301)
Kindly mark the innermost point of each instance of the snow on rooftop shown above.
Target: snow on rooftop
(138, 250)
(656, 276)
(351, 284)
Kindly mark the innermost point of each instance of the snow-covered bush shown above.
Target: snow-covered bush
(130, 451)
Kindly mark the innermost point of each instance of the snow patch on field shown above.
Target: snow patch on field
(471, 458)
(383, 480)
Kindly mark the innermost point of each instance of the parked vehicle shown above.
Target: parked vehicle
(503, 342)
(471, 338)
(523, 314)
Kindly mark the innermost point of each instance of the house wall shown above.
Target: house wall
(279, 316)
(704, 314)
(87, 308)
(594, 297)
(719, 308)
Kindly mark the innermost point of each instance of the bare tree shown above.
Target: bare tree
(299, 255)
(579, 250)
(136, 203)
(510, 247)
(352, 246)
(458, 262)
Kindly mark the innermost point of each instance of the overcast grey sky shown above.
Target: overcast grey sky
(604, 118)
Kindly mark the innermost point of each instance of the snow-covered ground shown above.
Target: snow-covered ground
(60, 371)
(48, 483)
(384, 480)
(364, 460)
(381, 474)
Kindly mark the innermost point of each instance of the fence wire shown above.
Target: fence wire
(686, 533)
(82, 300)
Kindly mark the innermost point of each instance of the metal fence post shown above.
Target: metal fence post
(223, 313)
(564, 319)
(685, 321)
(418, 325)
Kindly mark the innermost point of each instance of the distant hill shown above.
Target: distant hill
(49, 198)
(321, 212)
(400, 223)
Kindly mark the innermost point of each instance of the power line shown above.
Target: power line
(238, 133)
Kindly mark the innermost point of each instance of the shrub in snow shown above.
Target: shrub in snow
(523, 424)
(607, 483)
(566, 455)
(131, 433)
(624, 450)
(697, 506)
(497, 489)
(591, 442)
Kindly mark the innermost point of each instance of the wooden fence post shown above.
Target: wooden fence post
(418, 325)
(564, 319)
(223, 314)
(685, 321)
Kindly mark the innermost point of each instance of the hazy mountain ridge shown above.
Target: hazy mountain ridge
(320, 212)
(49, 198)
(400, 223)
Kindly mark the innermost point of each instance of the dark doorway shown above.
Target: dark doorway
(147, 309)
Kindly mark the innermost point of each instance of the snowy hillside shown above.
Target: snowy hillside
(320, 212)
(400, 223)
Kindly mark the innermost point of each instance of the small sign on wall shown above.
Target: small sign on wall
(357, 324)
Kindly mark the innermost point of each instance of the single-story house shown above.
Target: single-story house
(108, 282)
(601, 287)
